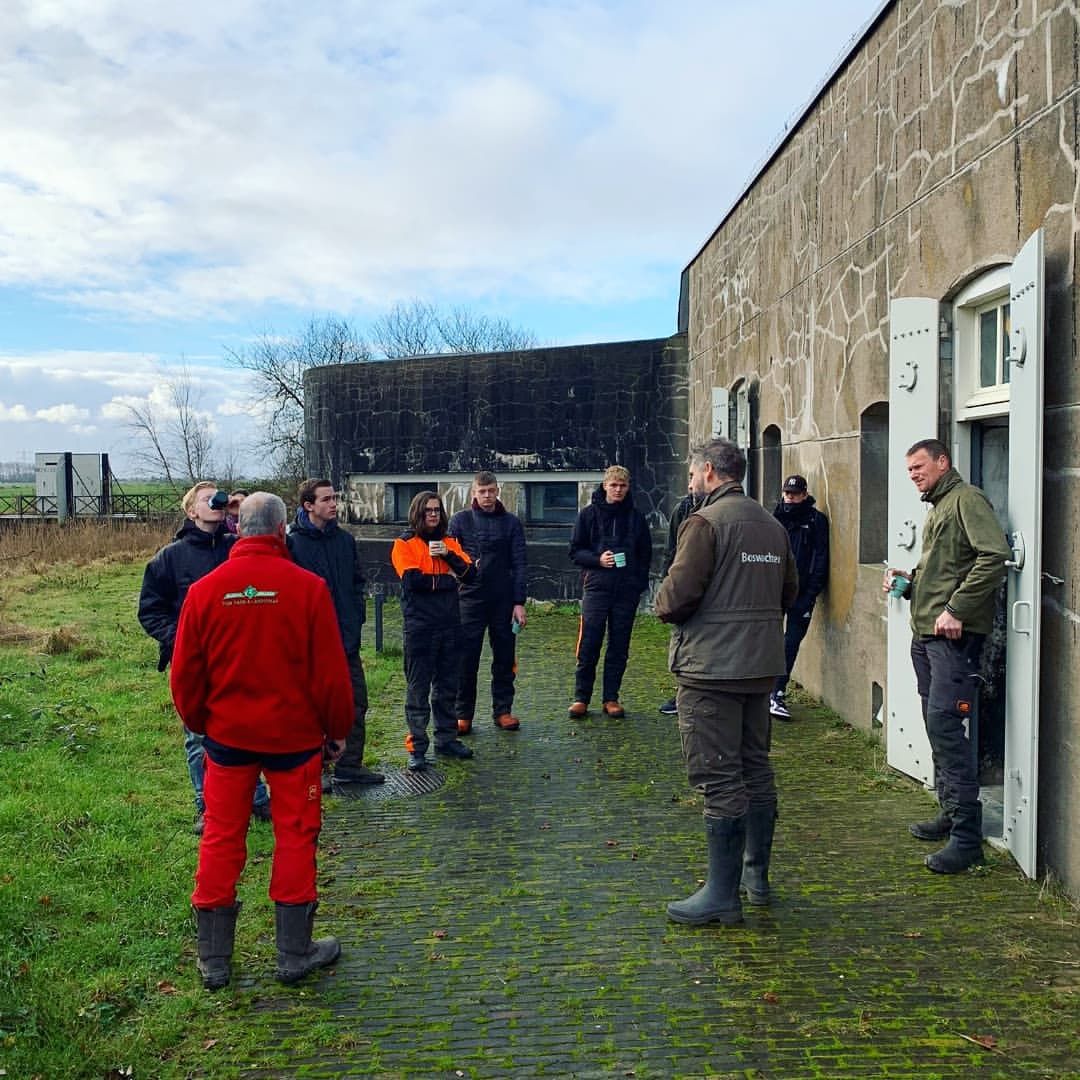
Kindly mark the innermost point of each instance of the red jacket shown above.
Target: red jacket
(258, 663)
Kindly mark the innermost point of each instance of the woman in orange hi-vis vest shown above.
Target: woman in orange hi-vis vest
(430, 565)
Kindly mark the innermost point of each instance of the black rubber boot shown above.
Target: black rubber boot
(718, 899)
(935, 829)
(760, 825)
(216, 933)
(297, 954)
(350, 767)
(964, 848)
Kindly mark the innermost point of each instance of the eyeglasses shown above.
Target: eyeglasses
(432, 510)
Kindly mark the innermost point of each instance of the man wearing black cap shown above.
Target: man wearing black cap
(808, 533)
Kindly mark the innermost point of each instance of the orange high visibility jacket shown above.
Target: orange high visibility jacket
(429, 584)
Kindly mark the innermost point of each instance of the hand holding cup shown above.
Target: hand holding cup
(436, 548)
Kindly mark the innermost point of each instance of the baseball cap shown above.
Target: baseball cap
(795, 483)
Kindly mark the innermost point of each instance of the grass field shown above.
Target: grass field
(96, 849)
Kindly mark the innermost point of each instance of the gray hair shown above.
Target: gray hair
(261, 514)
(724, 456)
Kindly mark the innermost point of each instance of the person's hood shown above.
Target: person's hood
(497, 509)
(599, 500)
(302, 523)
(946, 482)
(192, 534)
(258, 545)
(797, 512)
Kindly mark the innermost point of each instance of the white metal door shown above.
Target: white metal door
(913, 415)
(1025, 528)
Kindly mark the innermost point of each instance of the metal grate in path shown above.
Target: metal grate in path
(400, 784)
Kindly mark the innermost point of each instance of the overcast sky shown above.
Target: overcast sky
(178, 178)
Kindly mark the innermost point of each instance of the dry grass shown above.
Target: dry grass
(34, 547)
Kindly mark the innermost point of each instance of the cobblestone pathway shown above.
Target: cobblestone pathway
(512, 922)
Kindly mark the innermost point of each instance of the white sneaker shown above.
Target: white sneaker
(777, 707)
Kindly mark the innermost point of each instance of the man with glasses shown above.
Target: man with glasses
(201, 544)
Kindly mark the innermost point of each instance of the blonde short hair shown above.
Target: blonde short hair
(187, 503)
(616, 472)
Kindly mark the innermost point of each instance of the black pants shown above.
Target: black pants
(491, 617)
(432, 660)
(795, 628)
(946, 673)
(612, 610)
(353, 754)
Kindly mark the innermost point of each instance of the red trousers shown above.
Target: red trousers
(296, 809)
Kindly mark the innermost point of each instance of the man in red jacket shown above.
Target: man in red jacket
(259, 672)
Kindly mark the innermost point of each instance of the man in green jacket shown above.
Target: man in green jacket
(952, 593)
(732, 578)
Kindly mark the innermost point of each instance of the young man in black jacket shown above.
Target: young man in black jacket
(808, 533)
(317, 543)
(492, 602)
(612, 545)
(201, 544)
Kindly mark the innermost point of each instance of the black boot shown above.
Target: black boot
(964, 848)
(297, 954)
(935, 829)
(350, 767)
(760, 824)
(718, 899)
(216, 933)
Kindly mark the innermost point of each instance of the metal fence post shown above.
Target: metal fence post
(380, 600)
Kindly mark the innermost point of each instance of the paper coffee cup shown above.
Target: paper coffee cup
(620, 558)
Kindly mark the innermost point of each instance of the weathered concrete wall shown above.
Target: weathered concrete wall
(572, 409)
(950, 135)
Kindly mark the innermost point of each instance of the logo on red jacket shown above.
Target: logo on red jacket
(250, 595)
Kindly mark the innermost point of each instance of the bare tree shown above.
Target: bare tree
(277, 365)
(418, 328)
(408, 329)
(172, 438)
(463, 331)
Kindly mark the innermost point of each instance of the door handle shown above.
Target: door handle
(1019, 551)
(1013, 620)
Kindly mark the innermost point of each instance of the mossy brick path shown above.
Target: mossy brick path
(512, 923)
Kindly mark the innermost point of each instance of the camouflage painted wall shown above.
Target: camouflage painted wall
(948, 136)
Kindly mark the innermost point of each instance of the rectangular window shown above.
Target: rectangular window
(552, 503)
(994, 345)
(404, 495)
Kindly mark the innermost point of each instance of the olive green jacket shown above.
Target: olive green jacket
(963, 558)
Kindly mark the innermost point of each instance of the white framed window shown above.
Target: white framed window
(981, 325)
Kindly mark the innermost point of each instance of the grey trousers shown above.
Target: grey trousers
(725, 742)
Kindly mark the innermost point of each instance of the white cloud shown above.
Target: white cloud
(176, 161)
(14, 414)
(62, 414)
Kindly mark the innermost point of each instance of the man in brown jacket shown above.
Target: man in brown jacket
(732, 579)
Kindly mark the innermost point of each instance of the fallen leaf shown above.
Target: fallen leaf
(987, 1042)
(770, 998)
(546, 825)
(166, 987)
(209, 1044)
(611, 843)
(440, 934)
(436, 956)
(44, 901)
(913, 934)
